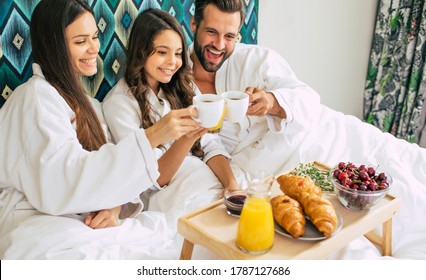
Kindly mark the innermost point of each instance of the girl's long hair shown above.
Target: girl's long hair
(51, 52)
(178, 91)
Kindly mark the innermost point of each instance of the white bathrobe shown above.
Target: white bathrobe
(263, 141)
(47, 179)
(194, 184)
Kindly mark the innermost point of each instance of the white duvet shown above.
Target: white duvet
(338, 137)
(335, 137)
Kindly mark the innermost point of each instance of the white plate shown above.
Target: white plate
(311, 232)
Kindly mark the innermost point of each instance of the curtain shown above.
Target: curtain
(396, 79)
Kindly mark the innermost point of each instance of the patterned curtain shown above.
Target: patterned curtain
(114, 19)
(396, 80)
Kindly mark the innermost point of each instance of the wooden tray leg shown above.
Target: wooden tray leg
(384, 241)
(187, 248)
(387, 238)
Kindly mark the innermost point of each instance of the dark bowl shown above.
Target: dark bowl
(234, 202)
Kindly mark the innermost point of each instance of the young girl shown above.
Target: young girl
(157, 80)
(56, 164)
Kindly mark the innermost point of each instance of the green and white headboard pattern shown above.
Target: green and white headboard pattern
(114, 19)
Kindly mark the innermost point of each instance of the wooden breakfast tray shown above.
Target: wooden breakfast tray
(214, 229)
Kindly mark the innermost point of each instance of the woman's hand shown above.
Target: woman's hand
(103, 219)
(173, 126)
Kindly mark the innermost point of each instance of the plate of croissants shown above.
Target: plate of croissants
(311, 232)
(301, 212)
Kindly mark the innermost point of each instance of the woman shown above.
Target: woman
(57, 165)
(157, 80)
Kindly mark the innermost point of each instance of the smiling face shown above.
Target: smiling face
(215, 37)
(83, 44)
(165, 60)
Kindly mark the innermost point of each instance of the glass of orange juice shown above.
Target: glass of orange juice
(256, 226)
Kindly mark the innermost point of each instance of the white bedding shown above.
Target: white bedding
(335, 137)
(338, 137)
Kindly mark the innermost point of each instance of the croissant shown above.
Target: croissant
(319, 210)
(293, 185)
(289, 214)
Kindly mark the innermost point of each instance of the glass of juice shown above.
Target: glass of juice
(255, 233)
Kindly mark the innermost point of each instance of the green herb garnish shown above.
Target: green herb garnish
(319, 176)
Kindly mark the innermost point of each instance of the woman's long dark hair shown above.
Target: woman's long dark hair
(50, 51)
(178, 91)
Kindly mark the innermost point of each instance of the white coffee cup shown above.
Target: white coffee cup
(236, 105)
(210, 109)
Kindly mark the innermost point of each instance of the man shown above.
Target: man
(286, 124)
(280, 105)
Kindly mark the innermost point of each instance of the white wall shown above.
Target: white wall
(326, 42)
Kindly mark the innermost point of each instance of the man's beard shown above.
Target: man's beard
(208, 66)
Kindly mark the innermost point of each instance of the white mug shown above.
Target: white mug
(236, 105)
(210, 108)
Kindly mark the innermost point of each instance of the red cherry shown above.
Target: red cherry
(341, 165)
(342, 176)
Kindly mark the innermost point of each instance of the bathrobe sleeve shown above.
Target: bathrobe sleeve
(120, 110)
(212, 146)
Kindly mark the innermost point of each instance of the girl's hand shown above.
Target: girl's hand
(103, 219)
(231, 188)
(196, 133)
(172, 126)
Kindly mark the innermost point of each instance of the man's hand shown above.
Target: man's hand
(262, 103)
(259, 103)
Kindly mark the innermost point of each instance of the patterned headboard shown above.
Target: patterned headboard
(114, 19)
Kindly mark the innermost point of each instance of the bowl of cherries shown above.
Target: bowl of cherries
(359, 187)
